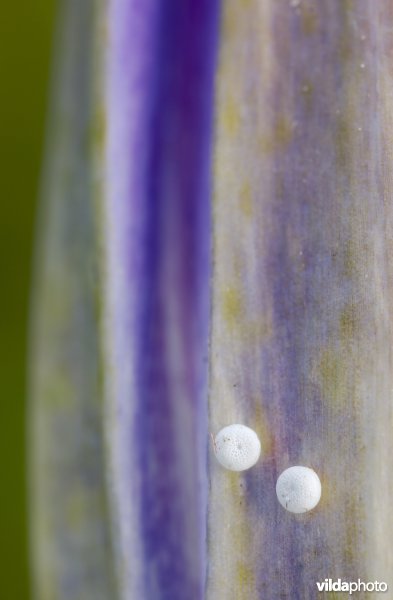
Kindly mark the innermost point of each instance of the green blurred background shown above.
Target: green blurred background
(26, 37)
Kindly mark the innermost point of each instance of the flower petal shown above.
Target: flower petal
(157, 224)
(302, 283)
(70, 524)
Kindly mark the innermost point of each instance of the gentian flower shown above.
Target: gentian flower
(214, 247)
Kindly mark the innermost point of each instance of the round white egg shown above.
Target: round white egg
(237, 447)
(298, 489)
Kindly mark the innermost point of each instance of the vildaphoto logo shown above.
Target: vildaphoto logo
(339, 585)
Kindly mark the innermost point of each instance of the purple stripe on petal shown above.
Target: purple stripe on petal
(132, 27)
(159, 127)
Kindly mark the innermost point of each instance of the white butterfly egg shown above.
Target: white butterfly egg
(237, 447)
(298, 489)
